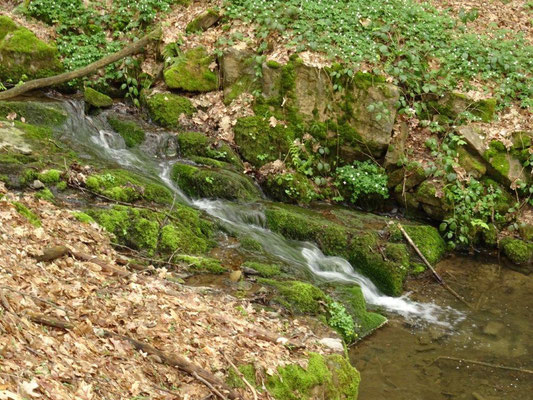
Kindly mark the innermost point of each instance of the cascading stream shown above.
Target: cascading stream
(94, 136)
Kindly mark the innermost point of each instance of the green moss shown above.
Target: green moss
(202, 264)
(97, 99)
(125, 186)
(290, 188)
(6, 25)
(470, 163)
(49, 177)
(417, 268)
(260, 143)
(182, 239)
(526, 231)
(296, 296)
(331, 377)
(484, 109)
(190, 71)
(130, 131)
(247, 370)
(251, 244)
(82, 217)
(428, 240)
(273, 64)
(202, 22)
(196, 144)
(452, 105)
(61, 186)
(35, 113)
(23, 54)
(210, 183)
(518, 251)
(366, 322)
(264, 270)
(165, 108)
(497, 156)
(45, 194)
(209, 162)
(27, 213)
(490, 236)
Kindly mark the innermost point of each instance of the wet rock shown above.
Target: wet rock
(493, 328)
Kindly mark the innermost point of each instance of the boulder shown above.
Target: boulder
(166, 109)
(191, 71)
(22, 54)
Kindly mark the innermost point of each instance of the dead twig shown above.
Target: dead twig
(252, 389)
(211, 387)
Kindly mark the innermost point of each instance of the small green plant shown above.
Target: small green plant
(362, 179)
(341, 321)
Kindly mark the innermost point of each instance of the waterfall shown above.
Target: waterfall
(93, 135)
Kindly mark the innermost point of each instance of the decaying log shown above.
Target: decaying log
(130, 49)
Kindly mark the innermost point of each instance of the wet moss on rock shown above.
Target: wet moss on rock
(165, 109)
(196, 144)
(290, 188)
(83, 217)
(214, 183)
(518, 251)
(202, 264)
(191, 72)
(97, 99)
(35, 113)
(296, 296)
(428, 241)
(264, 270)
(130, 131)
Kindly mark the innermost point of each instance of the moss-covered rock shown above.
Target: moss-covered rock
(452, 105)
(428, 241)
(238, 66)
(249, 243)
(474, 165)
(504, 166)
(366, 322)
(289, 187)
(140, 229)
(35, 113)
(130, 131)
(165, 109)
(202, 264)
(259, 142)
(83, 217)
(191, 72)
(203, 21)
(50, 176)
(518, 251)
(326, 377)
(214, 183)
(97, 99)
(296, 296)
(126, 186)
(196, 144)
(23, 55)
(263, 270)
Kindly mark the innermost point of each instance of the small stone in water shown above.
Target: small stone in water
(493, 328)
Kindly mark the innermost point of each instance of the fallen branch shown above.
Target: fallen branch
(49, 321)
(435, 274)
(206, 383)
(484, 364)
(105, 266)
(130, 49)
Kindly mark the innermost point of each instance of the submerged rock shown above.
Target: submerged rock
(23, 54)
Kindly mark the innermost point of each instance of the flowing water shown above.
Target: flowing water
(398, 361)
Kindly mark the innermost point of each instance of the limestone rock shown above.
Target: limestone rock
(191, 72)
(22, 53)
(334, 344)
(238, 73)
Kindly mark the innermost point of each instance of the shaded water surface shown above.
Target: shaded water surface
(400, 362)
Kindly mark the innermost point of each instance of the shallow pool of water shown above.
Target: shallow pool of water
(401, 361)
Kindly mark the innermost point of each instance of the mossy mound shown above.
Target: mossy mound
(190, 72)
(83, 217)
(353, 236)
(289, 188)
(122, 185)
(214, 183)
(165, 109)
(428, 241)
(259, 142)
(263, 270)
(296, 296)
(130, 131)
(196, 144)
(201, 264)
(366, 322)
(35, 113)
(140, 229)
(326, 377)
(22, 54)
(518, 251)
(96, 99)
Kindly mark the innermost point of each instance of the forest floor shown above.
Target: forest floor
(206, 326)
